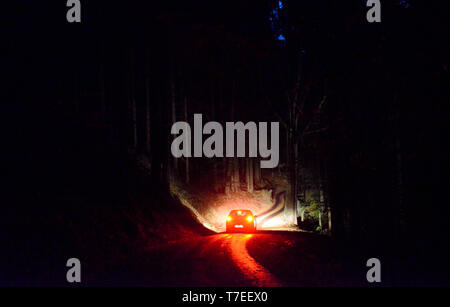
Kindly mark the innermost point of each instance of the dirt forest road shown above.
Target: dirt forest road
(260, 259)
(264, 258)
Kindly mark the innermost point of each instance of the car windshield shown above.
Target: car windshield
(241, 212)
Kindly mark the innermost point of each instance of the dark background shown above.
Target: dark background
(67, 122)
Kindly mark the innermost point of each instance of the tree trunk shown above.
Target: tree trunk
(289, 210)
(400, 214)
(215, 161)
(174, 117)
(249, 174)
(133, 106)
(102, 91)
(301, 210)
(257, 172)
(329, 219)
(235, 180)
(187, 179)
(229, 177)
(147, 117)
(320, 219)
(236, 184)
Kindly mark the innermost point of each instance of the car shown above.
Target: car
(241, 221)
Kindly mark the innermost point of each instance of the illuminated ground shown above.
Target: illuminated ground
(261, 259)
(211, 209)
(131, 246)
(265, 258)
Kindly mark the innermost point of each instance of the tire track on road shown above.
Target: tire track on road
(257, 274)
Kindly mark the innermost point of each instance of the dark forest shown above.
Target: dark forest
(88, 171)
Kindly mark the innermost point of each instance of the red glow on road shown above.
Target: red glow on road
(256, 273)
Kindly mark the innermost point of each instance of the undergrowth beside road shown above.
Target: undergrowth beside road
(98, 229)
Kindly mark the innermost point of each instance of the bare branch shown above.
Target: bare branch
(276, 114)
(317, 130)
(322, 102)
(281, 120)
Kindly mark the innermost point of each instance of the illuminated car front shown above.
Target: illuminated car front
(241, 221)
